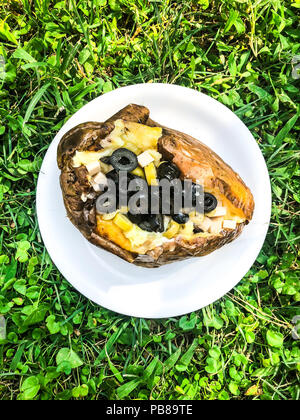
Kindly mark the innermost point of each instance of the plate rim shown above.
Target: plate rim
(80, 289)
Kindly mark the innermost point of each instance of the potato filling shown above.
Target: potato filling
(133, 147)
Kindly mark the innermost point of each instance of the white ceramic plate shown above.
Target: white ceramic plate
(176, 288)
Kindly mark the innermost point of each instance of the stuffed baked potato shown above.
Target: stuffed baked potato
(88, 155)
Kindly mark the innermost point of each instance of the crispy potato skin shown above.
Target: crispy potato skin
(195, 160)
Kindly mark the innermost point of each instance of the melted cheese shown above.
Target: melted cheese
(135, 137)
(86, 158)
(134, 240)
(109, 230)
(142, 136)
(233, 212)
(148, 240)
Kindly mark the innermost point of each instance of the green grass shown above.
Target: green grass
(58, 56)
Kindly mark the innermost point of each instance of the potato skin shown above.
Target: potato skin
(194, 159)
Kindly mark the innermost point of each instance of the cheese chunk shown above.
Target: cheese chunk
(156, 156)
(172, 230)
(83, 197)
(93, 167)
(196, 218)
(229, 224)
(187, 229)
(123, 222)
(95, 186)
(204, 224)
(145, 159)
(100, 178)
(218, 211)
(215, 225)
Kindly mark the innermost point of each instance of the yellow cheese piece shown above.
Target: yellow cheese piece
(156, 156)
(109, 216)
(139, 172)
(187, 229)
(140, 135)
(109, 230)
(150, 172)
(123, 222)
(173, 228)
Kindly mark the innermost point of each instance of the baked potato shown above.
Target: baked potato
(89, 154)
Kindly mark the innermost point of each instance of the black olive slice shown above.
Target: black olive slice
(210, 202)
(145, 225)
(123, 160)
(197, 229)
(157, 222)
(135, 218)
(149, 222)
(180, 218)
(168, 170)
